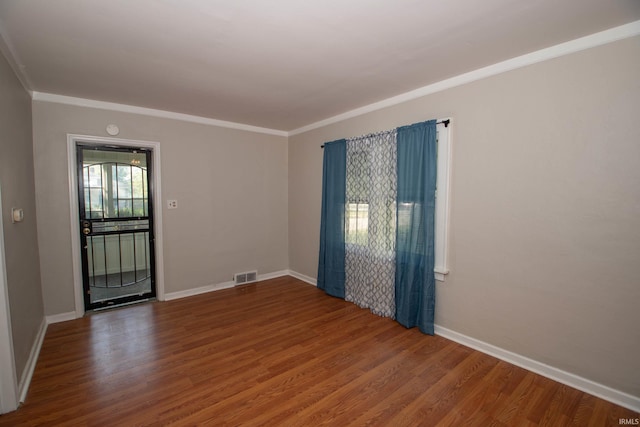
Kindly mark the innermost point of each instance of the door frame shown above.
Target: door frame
(72, 140)
(8, 382)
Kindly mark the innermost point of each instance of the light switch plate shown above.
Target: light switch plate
(17, 215)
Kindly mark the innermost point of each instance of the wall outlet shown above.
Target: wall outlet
(172, 204)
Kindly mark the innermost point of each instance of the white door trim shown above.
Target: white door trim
(72, 139)
(8, 383)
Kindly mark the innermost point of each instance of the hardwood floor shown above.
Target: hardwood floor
(281, 352)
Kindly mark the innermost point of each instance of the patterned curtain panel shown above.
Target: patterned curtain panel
(370, 222)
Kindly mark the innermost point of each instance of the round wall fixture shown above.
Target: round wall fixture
(113, 130)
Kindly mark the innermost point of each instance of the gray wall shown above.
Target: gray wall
(231, 187)
(545, 209)
(21, 241)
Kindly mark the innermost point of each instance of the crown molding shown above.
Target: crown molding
(6, 48)
(604, 37)
(90, 103)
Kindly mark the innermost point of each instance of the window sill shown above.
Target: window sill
(440, 274)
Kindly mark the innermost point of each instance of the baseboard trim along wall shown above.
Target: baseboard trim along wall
(309, 280)
(27, 373)
(61, 317)
(197, 291)
(218, 286)
(591, 387)
(275, 274)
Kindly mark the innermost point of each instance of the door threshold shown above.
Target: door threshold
(124, 304)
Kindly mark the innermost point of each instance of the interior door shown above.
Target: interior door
(116, 225)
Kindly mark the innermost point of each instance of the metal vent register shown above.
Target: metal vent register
(246, 277)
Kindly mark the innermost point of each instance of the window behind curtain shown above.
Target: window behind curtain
(370, 221)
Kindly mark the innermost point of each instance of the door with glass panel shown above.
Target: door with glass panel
(116, 225)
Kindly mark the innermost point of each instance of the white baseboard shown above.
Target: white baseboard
(273, 275)
(27, 373)
(61, 317)
(591, 387)
(197, 291)
(309, 280)
(219, 286)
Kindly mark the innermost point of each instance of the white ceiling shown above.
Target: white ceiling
(279, 64)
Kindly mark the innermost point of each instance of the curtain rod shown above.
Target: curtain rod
(442, 122)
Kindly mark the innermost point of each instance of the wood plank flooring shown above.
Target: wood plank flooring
(281, 353)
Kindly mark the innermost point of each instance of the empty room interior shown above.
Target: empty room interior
(191, 232)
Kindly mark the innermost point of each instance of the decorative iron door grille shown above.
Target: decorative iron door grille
(116, 225)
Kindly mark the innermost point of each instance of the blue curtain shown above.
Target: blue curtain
(415, 281)
(331, 271)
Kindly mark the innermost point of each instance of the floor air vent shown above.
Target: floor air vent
(246, 277)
